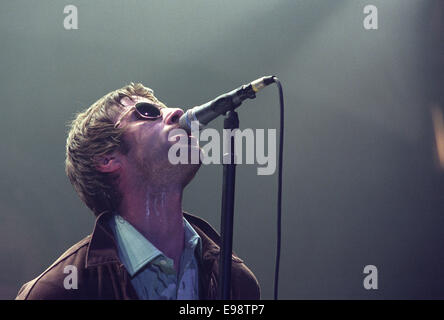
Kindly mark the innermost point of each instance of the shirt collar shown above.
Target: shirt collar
(192, 239)
(136, 251)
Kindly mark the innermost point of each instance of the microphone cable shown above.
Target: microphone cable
(279, 195)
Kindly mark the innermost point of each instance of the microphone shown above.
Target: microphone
(223, 103)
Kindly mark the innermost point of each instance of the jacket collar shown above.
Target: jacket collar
(102, 248)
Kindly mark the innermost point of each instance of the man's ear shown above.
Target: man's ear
(108, 163)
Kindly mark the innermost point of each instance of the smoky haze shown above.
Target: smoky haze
(361, 182)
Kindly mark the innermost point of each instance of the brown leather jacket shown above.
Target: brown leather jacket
(101, 275)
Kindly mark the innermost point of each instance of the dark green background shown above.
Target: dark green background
(361, 184)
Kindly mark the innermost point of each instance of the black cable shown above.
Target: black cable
(279, 204)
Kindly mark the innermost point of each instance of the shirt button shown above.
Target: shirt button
(163, 262)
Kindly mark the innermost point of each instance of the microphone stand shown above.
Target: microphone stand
(231, 122)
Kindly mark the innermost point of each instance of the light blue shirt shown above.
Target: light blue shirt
(152, 273)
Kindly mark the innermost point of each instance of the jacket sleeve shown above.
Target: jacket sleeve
(41, 289)
(51, 284)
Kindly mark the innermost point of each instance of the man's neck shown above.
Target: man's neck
(157, 215)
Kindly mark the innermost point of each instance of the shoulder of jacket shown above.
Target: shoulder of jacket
(75, 254)
(246, 285)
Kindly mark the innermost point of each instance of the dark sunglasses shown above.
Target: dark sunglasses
(148, 111)
(144, 110)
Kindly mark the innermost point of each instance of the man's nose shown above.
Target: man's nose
(172, 115)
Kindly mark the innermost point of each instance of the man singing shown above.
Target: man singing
(143, 245)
